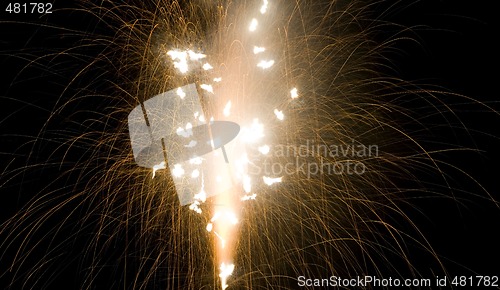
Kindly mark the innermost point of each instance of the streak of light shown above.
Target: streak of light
(263, 8)
(207, 66)
(158, 167)
(227, 109)
(178, 171)
(207, 88)
(271, 181)
(258, 49)
(265, 64)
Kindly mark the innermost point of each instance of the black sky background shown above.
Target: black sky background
(458, 51)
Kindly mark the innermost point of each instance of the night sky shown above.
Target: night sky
(458, 51)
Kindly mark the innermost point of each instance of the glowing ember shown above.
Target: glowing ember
(263, 8)
(264, 149)
(257, 49)
(279, 114)
(265, 64)
(253, 25)
(270, 181)
(207, 66)
(207, 88)
(158, 167)
(225, 271)
(178, 171)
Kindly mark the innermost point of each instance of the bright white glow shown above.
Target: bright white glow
(158, 167)
(270, 180)
(265, 64)
(207, 66)
(176, 54)
(195, 56)
(196, 160)
(216, 216)
(199, 197)
(239, 166)
(177, 171)
(231, 217)
(227, 109)
(249, 197)
(202, 195)
(191, 144)
(202, 119)
(264, 149)
(225, 271)
(247, 183)
(279, 114)
(185, 132)
(195, 173)
(228, 216)
(222, 241)
(210, 227)
(257, 49)
(181, 56)
(254, 133)
(253, 25)
(244, 159)
(207, 88)
(263, 8)
(195, 206)
(181, 93)
(217, 80)
(294, 93)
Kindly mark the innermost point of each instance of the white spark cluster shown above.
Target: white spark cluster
(264, 149)
(253, 25)
(294, 93)
(180, 93)
(207, 66)
(279, 114)
(181, 58)
(199, 198)
(254, 133)
(225, 271)
(207, 88)
(265, 64)
(158, 167)
(185, 132)
(270, 180)
(178, 171)
(263, 8)
(258, 49)
(251, 133)
(249, 197)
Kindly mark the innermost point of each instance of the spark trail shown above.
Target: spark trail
(319, 181)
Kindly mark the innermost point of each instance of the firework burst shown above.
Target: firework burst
(319, 181)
